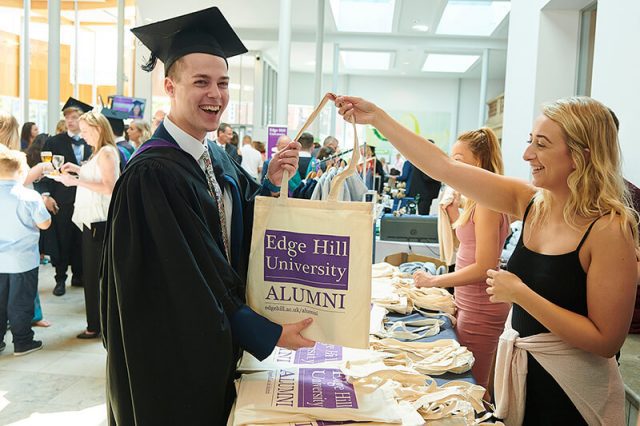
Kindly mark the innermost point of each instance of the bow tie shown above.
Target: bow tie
(76, 140)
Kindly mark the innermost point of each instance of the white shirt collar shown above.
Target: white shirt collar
(188, 143)
(71, 135)
(305, 154)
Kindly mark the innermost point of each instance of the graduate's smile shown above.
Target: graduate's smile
(210, 109)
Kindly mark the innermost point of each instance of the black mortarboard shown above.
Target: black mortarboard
(74, 103)
(204, 31)
(116, 120)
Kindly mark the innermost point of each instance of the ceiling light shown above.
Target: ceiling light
(448, 63)
(420, 27)
(471, 17)
(365, 60)
(370, 16)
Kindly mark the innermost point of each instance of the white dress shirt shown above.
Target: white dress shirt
(251, 160)
(196, 148)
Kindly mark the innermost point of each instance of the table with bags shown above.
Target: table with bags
(413, 371)
(386, 351)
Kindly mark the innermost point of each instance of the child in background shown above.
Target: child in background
(22, 215)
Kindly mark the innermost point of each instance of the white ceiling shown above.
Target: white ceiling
(257, 22)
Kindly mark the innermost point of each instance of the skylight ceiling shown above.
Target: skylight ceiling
(365, 60)
(367, 16)
(472, 17)
(448, 63)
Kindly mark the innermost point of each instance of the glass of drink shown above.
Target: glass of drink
(46, 156)
(57, 161)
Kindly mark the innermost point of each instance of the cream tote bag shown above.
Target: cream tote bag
(313, 259)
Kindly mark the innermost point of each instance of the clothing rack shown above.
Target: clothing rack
(334, 156)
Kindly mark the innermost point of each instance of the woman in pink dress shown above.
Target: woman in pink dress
(482, 233)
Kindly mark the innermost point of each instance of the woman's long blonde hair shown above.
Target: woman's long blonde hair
(596, 185)
(99, 121)
(9, 128)
(485, 147)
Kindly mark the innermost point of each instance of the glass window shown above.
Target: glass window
(585, 53)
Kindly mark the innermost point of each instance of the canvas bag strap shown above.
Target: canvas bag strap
(337, 181)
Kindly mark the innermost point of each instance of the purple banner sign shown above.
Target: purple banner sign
(320, 261)
(273, 133)
(325, 388)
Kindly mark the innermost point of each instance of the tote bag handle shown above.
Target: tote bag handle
(339, 179)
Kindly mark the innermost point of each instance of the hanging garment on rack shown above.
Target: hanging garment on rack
(317, 191)
(356, 187)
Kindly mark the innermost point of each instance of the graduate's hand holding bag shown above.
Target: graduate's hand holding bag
(312, 259)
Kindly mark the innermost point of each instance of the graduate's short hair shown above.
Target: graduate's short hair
(12, 162)
(173, 72)
(71, 109)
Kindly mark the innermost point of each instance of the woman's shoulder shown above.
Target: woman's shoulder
(609, 227)
(109, 151)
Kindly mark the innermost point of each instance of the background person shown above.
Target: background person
(61, 127)
(22, 215)
(251, 158)
(139, 132)
(28, 134)
(74, 150)
(158, 116)
(95, 181)
(482, 233)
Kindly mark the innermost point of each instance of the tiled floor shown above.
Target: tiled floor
(63, 384)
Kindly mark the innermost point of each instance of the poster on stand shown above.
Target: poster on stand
(274, 131)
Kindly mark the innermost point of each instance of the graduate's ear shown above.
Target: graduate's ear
(169, 86)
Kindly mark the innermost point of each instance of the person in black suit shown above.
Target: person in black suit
(427, 187)
(225, 134)
(75, 150)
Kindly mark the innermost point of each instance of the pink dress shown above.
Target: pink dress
(480, 322)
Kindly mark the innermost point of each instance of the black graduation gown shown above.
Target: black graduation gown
(170, 301)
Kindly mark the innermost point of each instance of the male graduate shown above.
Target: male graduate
(177, 245)
(75, 150)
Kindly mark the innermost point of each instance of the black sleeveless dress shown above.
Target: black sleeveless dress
(561, 280)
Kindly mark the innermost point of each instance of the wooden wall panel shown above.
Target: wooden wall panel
(10, 64)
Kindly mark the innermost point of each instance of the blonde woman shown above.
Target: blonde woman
(482, 233)
(95, 181)
(139, 132)
(572, 276)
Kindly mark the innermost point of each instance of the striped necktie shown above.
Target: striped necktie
(216, 193)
